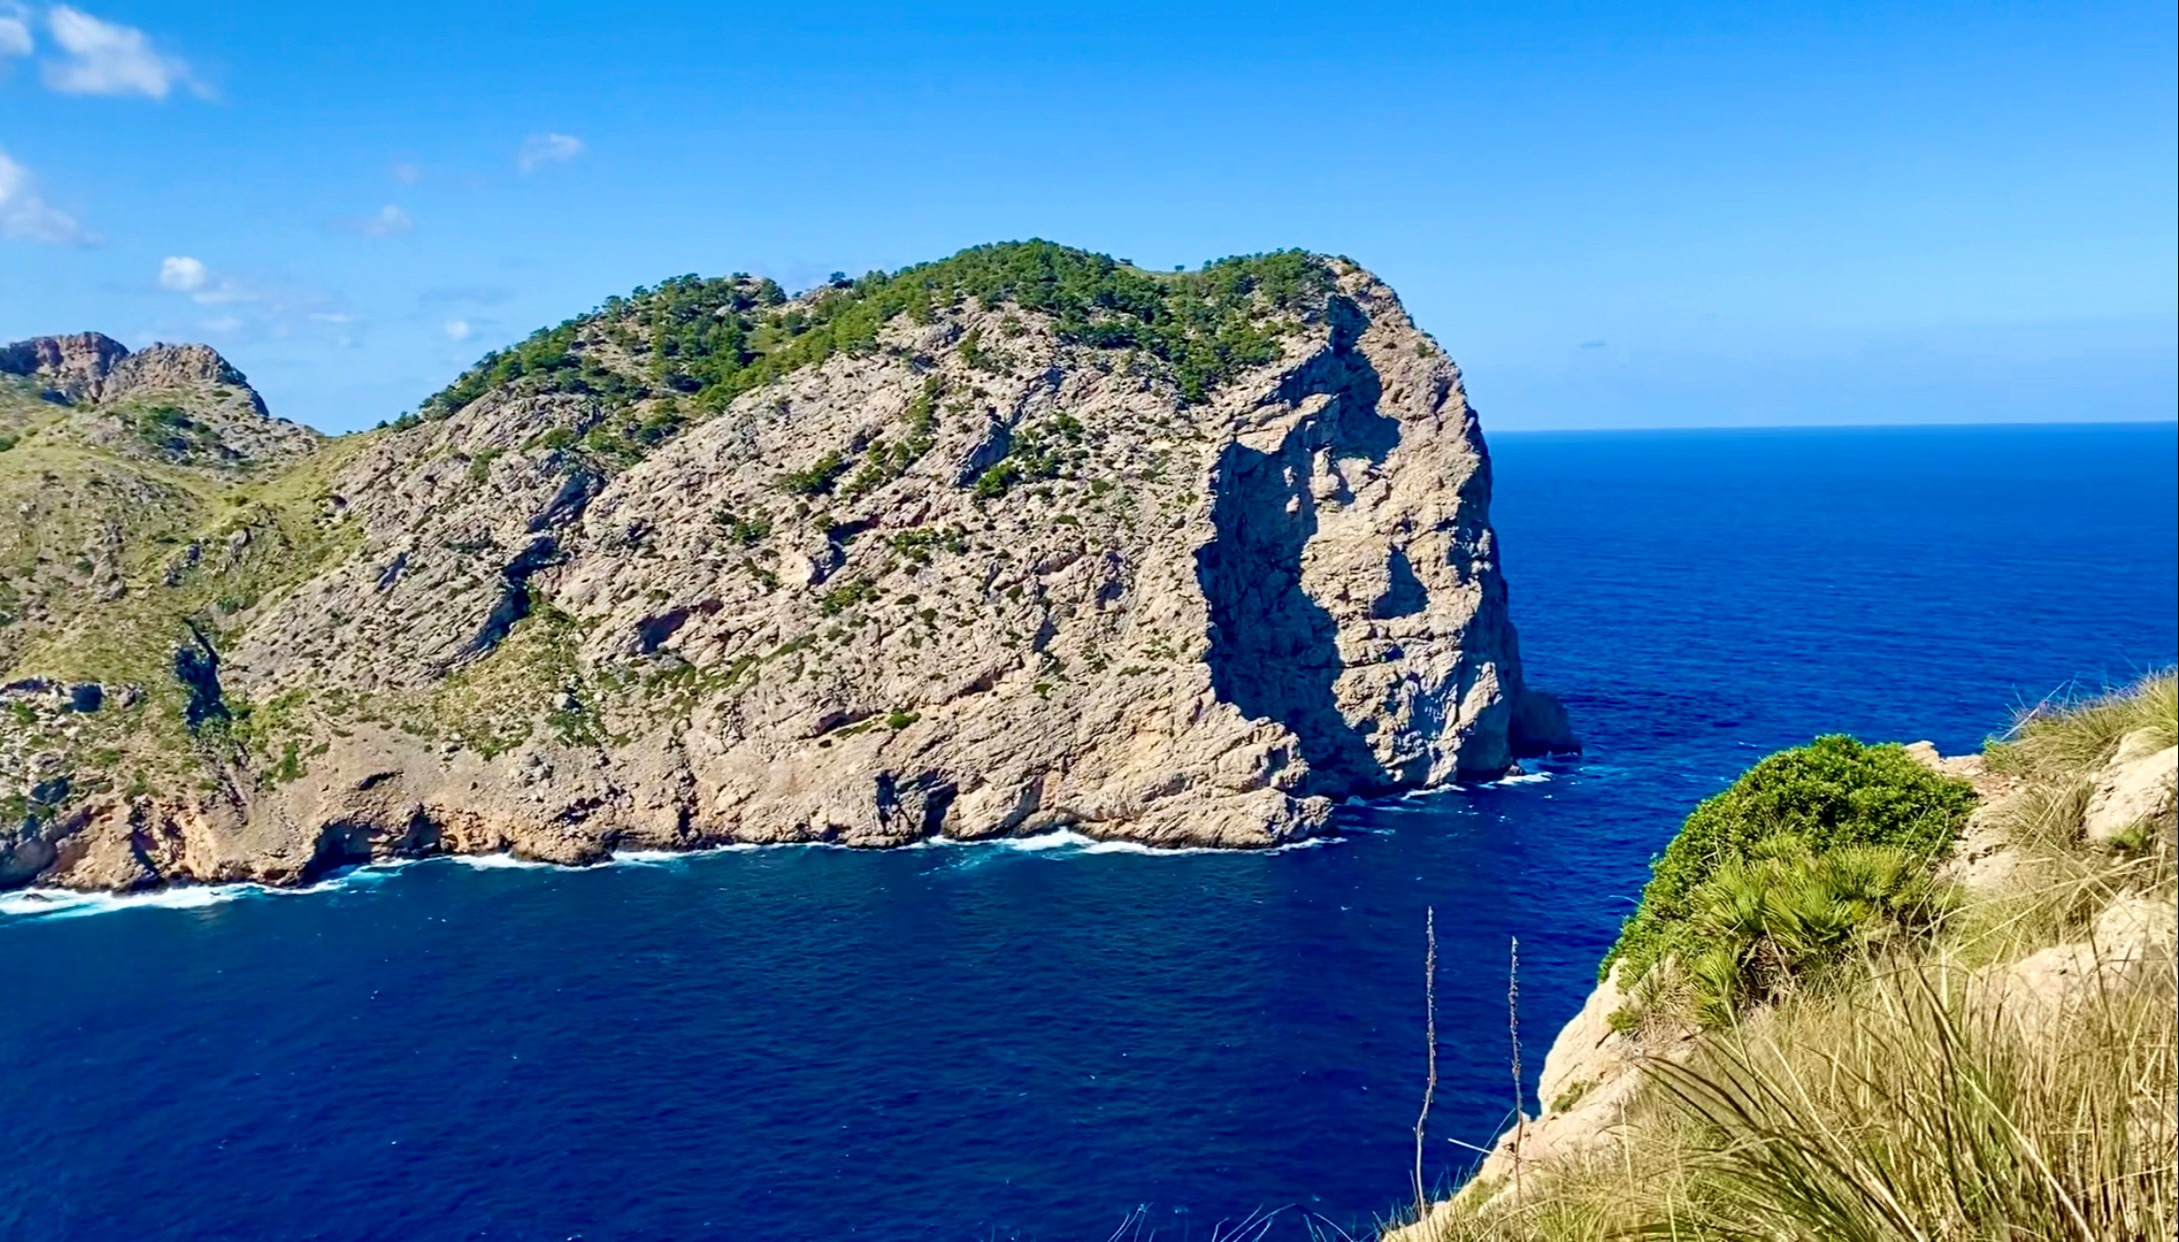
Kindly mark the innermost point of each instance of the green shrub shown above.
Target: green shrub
(920, 543)
(846, 595)
(1573, 1094)
(627, 440)
(992, 483)
(1832, 794)
(290, 766)
(818, 478)
(973, 353)
(747, 530)
(1786, 915)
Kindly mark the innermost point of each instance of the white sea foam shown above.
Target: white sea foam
(1056, 839)
(61, 903)
(1523, 778)
(55, 903)
(497, 862)
(58, 903)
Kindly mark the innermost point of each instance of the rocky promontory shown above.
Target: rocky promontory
(1022, 539)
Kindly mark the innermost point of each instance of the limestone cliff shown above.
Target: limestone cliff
(1022, 539)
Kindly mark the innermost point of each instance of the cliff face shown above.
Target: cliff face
(996, 568)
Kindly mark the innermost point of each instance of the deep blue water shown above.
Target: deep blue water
(982, 1043)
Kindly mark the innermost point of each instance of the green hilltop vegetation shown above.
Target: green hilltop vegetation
(712, 340)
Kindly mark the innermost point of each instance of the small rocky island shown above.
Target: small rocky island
(1020, 539)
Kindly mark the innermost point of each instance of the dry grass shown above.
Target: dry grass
(1891, 1107)
(2071, 736)
(1896, 1112)
(1890, 1111)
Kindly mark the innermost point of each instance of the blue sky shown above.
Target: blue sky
(1612, 216)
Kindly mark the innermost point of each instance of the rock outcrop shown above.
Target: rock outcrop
(2130, 941)
(2138, 787)
(1004, 564)
(183, 403)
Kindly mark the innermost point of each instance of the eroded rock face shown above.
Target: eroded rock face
(73, 366)
(183, 402)
(1177, 622)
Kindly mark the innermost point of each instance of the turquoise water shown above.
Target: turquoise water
(1001, 1042)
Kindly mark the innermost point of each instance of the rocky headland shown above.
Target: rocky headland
(1021, 539)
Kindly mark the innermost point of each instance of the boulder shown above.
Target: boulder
(2138, 787)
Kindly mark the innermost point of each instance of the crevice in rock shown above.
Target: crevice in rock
(653, 631)
(1404, 593)
(514, 596)
(919, 803)
(339, 845)
(196, 666)
(991, 449)
(569, 502)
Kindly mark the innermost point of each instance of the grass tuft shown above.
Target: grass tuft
(1907, 1098)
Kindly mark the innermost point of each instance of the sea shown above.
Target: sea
(1050, 1038)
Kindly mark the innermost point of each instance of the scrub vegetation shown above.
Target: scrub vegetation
(1810, 856)
(711, 340)
(1884, 1086)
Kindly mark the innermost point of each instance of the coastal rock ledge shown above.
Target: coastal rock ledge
(1186, 566)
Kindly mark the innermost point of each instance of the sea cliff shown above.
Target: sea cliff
(1021, 539)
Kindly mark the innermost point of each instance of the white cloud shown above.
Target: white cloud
(183, 274)
(239, 308)
(539, 150)
(107, 58)
(406, 173)
(458, 330)
(25, 216)
(390, 221)
(15, 37)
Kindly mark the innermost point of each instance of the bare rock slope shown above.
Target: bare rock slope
(1022, 539)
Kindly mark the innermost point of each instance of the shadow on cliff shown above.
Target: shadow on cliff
(1274, 651)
